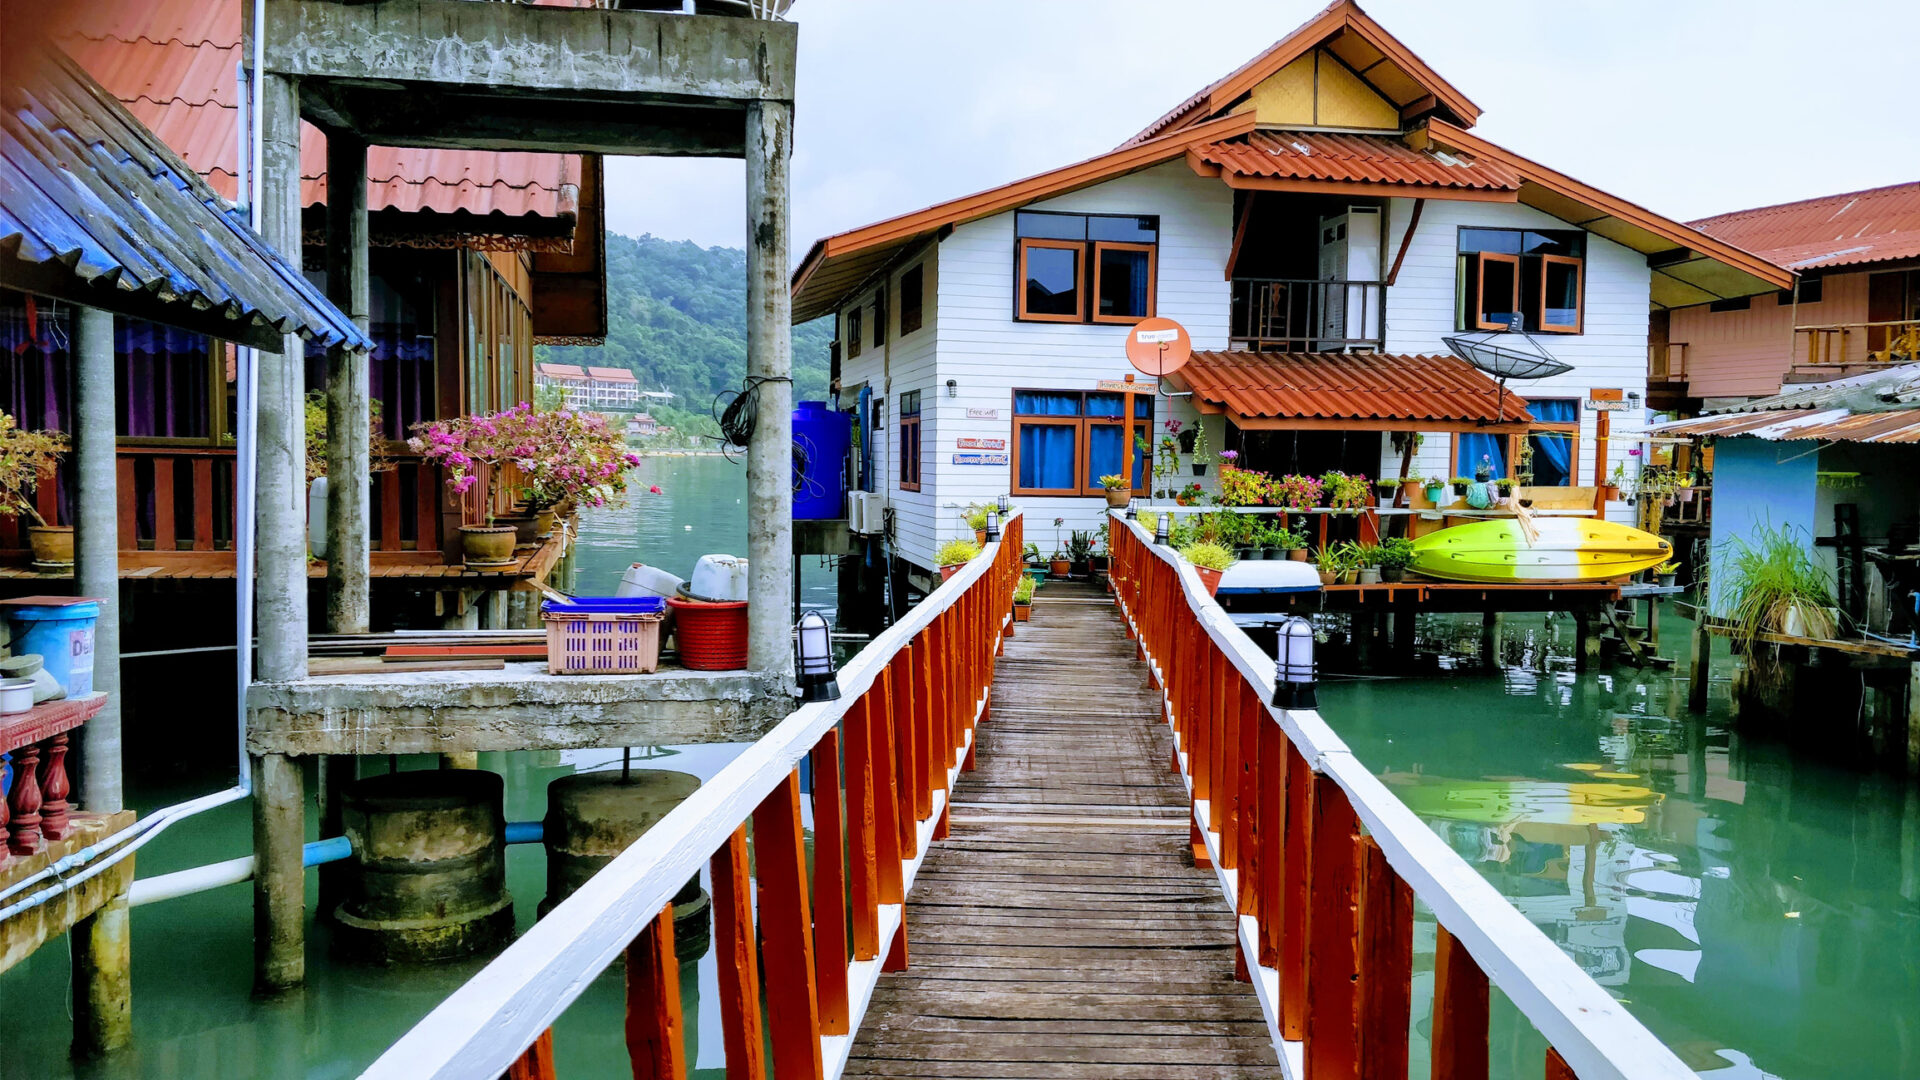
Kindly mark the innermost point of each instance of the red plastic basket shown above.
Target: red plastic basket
(712, 636)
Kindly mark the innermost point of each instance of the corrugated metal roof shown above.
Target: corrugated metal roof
(172, 63)
(1834, 230)
(1350, 386)
(1877, 407)
(1374, 159)
(88, 196)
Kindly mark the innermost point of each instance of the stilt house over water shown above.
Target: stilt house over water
(1317, 221)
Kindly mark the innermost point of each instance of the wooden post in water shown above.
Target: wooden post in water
(1700, 661)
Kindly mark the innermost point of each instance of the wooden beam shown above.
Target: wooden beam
(736, 957)
(655, 1040)
(1459, 1012)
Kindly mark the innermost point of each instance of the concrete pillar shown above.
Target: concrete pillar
(770, 364)
(335, 773)
(279, 880)
(280, 517)
(103, 980)
(96, 550)
(348, 415)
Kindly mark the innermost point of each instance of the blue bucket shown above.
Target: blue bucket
(63, 634)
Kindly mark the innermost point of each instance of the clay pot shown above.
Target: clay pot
(1117, 498)
(487, 545)
(52, 544)
(948, 571)
(1298, 554)
(1210, 578)
(1060, 567)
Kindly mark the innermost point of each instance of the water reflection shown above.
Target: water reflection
(1759, 911)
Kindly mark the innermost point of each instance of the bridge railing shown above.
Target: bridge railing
(884, 757)
(1322, 863)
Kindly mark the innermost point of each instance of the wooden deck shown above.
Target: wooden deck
(416, 569)
(1062, 930)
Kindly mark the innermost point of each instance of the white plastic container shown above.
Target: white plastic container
(643, 580)
(720, 578)
(16, 696)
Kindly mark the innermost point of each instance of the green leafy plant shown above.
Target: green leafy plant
(1344, 491)
(1113, 482)
(956, 552)
(1364, 555)
(1202, 453)
(1208, 556)
(1769, 577)
(1023, 592)
(975, 515)
(1665, 568)
(1150, 521)
(1080, 546)
(1460, 484)
(1030, 552)
(1327, 559)
(1396, 553)
(1386, 487)
(1242, 487)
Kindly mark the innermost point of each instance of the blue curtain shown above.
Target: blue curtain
(1472, 447)
(866, 438)
(1047, 456)
(1553, 454)
(1043, 403)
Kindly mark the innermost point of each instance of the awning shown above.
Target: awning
(1350, 392)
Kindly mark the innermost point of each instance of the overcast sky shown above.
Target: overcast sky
(1687, 107)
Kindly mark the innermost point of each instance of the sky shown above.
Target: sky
(1687, 107)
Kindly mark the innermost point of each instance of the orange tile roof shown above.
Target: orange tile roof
(172, 62)
(1855, 227)
(1349, 389)
(572, 372)
(611, 374)
(1372, 159)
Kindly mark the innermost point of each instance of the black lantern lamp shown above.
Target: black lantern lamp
(1293, 671)
(1160, 528)
(993, 526)
(1004, 506)
(1133, 512)
(817, 682)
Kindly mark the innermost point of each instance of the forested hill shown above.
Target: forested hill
(677, 318)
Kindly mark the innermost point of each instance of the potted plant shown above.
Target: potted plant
(1030, 553)
(561, 456)
(1023, 599)
(1396, 554)
(975, 515)
(468, 449)
(1460, 486)
(1327, 562)
(1080, 551)
(1775, 586)
(1241, 487)
(1276, 541)
(1295, 541)
(1435, 488)
(1343, 491)
(1386, 489)
(1348, 556)
(1296, 492)
(1246, 534)
(1210, 560)
(25, 458)
(1504, 486)
(1366, 558)
(1666, 572)
(1119, 492)
(1202, 453)
(1615, 482)
(955, 554)
(1191, 495)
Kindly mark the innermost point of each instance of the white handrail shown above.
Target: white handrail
(485, 1025)
(1596, 1036)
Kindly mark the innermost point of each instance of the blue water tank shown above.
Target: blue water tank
(821, 439)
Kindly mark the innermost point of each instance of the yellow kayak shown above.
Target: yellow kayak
(1567, 550)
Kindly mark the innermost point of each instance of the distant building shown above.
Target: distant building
(612, 388)
(569, 379)
(642, 424)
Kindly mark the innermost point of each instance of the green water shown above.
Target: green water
(1757, 908)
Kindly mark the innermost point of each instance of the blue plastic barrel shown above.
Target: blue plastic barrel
(63, 635)
(823, 438)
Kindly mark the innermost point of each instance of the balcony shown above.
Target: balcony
(1300, 315)
(1895, 342)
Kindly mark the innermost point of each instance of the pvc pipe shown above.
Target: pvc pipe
(526, 832)
(187, 882)
(332, 849)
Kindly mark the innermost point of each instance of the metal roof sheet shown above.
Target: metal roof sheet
(1377, 159)
(1879, 406)
(172, 62)
(1439, 389)
(1848, 229)
(94, 207)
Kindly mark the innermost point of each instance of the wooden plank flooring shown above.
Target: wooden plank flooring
(1062, 930)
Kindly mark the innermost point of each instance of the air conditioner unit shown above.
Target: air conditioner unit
(866, 512)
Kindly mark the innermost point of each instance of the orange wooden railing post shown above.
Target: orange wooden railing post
(1386, 966)
(736, 957)
(1459, 1012)
(786, 930)
(1333, 953)
(862, 844)
(829, 888)
(906, 773)
(534, 1063)
(655, 1042)
(1557, 1068)
(886, 798)
(1247, 708)
(1220, 707)
(1273, 831)
(1298, 866)
(932, 776)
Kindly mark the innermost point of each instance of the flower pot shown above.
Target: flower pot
(1684, 494)
(524, 527)
(1059, 567)
(1666, 580)
(1209, 578)
(1298, 554)
(1369, 575)
(1328, 577)
(1435, 492)
(948, 571)
(1097, 563)
(487, 545)
(980, 537)
(1349, 577)
(52, 545)
(1199, 470)
(1274, 553)
(1022, 612)
(1460, 490)
(1180, 500)
(1117, 498)
(1393, 574)
(1245, 553)
(543, 523)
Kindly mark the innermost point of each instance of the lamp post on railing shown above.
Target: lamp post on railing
(1160, 528)
(1293, 670)
(815, 662)
(1133, 513)
(993, 526)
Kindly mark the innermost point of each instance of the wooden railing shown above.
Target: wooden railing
(1895, 342)
(909, 702)
(1323, 865)
(1667, 362)
(1298, 315)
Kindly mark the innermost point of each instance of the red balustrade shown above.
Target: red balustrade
(36, 808)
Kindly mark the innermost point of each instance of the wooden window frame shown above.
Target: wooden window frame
(1085, 486)
(1153, 281)
(1572, 430)
(880, 316)
(1079, 248)
(1079, 426)
(910, 461)
(1579, 294)
(913, 300)
(1480, 287)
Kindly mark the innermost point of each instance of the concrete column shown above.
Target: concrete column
(96, 550)
(279, 880)
(770, 362)
(348, 410)
(103, 979)
(280, 517)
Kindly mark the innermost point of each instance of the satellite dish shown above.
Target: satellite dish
(1158, 347)
(1506, 354)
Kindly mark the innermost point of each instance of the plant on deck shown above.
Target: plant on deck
(1111, 481)
(956, 553)
(1202, 453)
(558, 455)
(1344, 491)
(975, 515)
(1296, 492)
(1080, 546)
(1023, 592)
(1772, 578)
(1242, 487)
(1396, 553)
(25, 457)
(1207, 556)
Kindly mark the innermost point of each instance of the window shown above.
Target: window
(1085, 267)
(1810, 291)
(1738, 303)
(880, 317)
(1538, 276)
(1553, 442)
(1064, 441)
(912, 296)
(910, 441)
(853, 333)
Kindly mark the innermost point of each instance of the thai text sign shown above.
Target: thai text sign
(979, 459)
(980, 444)
(1121, 386)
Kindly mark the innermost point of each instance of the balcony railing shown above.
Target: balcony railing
(1667, 362)
(1296, 315)
(1895, 342)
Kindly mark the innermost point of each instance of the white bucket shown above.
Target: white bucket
(719, 578)
(643, 580)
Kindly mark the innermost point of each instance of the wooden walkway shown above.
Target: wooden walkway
(1062, 930)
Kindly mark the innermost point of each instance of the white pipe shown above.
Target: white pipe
(187, 882)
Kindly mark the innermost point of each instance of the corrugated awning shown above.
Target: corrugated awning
(1350, 392)
(95, 210)
(1877, 407)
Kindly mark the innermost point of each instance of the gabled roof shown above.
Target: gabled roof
(1850, 229)
(95, 210)
(1349, 391)
(1315, 160)
(611, 374)
(569, 372)
(1357, 41)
